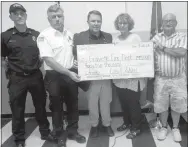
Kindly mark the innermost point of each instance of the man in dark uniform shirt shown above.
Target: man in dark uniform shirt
(19, 47)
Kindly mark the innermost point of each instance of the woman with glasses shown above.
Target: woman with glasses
(128, 90)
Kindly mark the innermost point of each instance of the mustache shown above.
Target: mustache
(20, 19)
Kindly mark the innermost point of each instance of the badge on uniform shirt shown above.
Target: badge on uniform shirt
(34, 38)
(69, 38)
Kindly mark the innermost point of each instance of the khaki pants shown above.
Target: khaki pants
(100, 94)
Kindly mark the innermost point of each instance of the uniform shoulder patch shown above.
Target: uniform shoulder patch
(7, 34)
(41, 39)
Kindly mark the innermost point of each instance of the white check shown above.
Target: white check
(120, 61)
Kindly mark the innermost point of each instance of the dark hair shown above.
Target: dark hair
(124, 16)
(94, 12)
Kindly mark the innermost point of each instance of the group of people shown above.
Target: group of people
(24, 50)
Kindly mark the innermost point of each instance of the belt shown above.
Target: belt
(24, 73)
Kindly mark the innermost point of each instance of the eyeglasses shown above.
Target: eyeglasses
(122, 23)
(169, 21)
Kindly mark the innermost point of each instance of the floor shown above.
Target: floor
(146, 139)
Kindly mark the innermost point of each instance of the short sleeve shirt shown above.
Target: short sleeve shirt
(167, 65)
(21, 49)
(57, 45)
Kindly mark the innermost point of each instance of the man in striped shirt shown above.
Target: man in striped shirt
(170, 87)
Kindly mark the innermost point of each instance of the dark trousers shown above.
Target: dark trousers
(18, 87)
(129, 101)
(60, 86)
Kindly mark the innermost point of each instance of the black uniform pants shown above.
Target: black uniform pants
(18, 87)
(60, 86)
(129, 101)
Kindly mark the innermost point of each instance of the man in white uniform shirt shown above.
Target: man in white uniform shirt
(55, 45)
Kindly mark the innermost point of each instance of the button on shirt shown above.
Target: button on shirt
(57, 45)
(97, 40)
(21, 50)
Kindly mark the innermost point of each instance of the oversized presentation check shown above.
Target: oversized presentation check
(115, 61)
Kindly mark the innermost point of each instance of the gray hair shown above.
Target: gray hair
(171, 15)
(54, 8)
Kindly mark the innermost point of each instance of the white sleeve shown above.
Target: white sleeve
(69, 38)
(137, 38)
(183, 42)
(155, 38)
(44, 47)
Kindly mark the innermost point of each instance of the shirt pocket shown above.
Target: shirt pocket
(57, 46)
(15, 48)
(31, 55)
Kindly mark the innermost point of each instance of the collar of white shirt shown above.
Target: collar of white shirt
(174, 34)
(58, 33)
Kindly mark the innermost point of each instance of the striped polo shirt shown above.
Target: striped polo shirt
(167, 65)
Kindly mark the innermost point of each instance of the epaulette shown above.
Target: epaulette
(10, 29)
(8, 32)
(32, 31)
